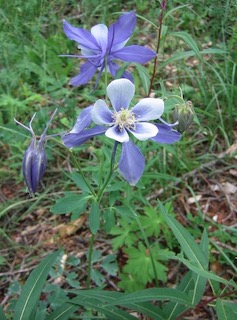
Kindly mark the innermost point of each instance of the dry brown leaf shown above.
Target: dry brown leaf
(70, 228)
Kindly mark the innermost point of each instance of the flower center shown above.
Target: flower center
(124, 119)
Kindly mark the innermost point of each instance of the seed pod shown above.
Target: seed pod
(184, 114)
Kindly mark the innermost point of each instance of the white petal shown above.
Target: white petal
(115, 133)
(148, 109)
(101, 114)
(144, 131)
(100, 32)
(120, 93)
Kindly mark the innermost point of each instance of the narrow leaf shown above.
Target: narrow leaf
(204, 273)
(155, 294)
(189, 246)
(187, 54)
(186, 37)
(94, 217)
(32, 288)
(111, 313)
(173, 309)
(145, 77)
(63, 312)
(223, 311)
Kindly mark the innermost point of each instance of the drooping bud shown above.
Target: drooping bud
(184, 114)
(34, 161)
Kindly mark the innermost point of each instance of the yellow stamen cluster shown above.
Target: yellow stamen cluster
(124, 119)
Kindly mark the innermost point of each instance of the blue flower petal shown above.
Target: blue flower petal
(148, 109)
(76, 139)
(100, 32)
(144, 131)
(117, 134)
(83, 120)
(166, 134)
(120, 31)
(87, 71)
(131, 163)
(134, 53)
(81, 36)
(101, 113)
(120, 93)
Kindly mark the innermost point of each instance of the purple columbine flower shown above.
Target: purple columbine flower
(121, 122)
(103, 45)
(34, 160)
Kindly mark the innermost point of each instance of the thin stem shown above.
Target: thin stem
(163, 7)
(100, 193)
(88, 280)
(99, 197)
(148, 247)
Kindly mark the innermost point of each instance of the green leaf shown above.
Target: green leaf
(111, 313)
(204, 273)
(32, 288)
(148, 309)
(80, 182)
(63, 312)
(173, 309)
(140, 256)
(224, 312)
(189, 246)
(2, 315)
(153, 294)
(145, 77)
(94, 217)
(70, 203)
(186, 37)
(188, 54)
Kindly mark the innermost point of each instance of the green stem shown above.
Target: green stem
(99, 197)
(100, 193)
(148, 247)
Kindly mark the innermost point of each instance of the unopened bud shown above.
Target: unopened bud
(34, 165)
(34, 161)
(184, 114)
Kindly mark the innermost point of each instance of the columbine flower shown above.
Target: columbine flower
(34, 160)
(120, 122)
(103, 45)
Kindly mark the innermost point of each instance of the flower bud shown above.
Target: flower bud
(34, 160)
(34, 165)
(184, 114)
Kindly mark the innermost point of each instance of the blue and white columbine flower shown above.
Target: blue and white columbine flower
(103, 45)
(120, 123)
(34, 160)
